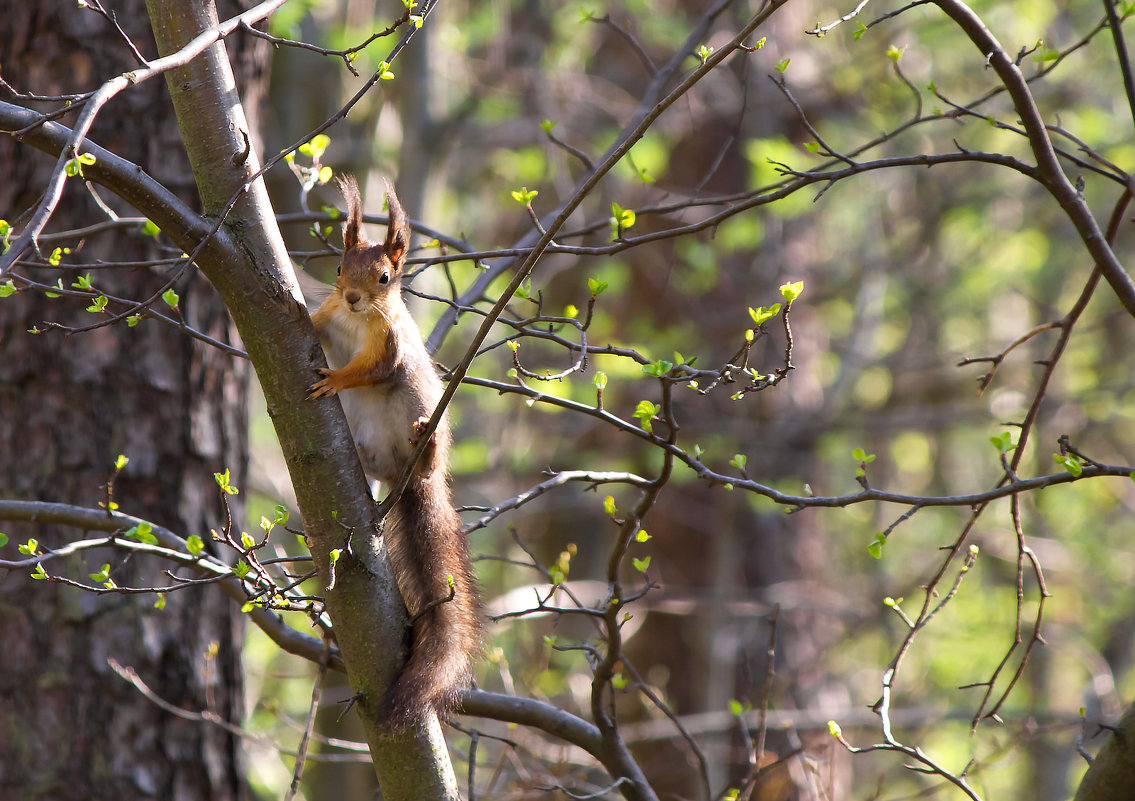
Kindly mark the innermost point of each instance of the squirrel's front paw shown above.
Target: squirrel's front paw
(325, 386)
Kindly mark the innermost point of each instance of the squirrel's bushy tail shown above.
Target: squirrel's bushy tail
(427, 548)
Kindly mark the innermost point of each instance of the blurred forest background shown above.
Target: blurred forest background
(906, 273)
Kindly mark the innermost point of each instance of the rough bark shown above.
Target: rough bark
(1112, 774)
(68, 407)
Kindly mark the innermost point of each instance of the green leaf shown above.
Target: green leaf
(619, 681)
(645, 411)
(812, 147)
(57, 256)
(792, 291)
(39, 574)
(596, 287)
(241, 569)
(98, 305)
(859, 31)
(121, 461)
(621, 218)
(782, 65)
(7, 288)
(171, 298)
(150, 229)
(862, 456)
(195, 545)
(160, 601)
(1003, 442)
(609, 505)
(143, 532)
(833, 729)
(739, 460)
(247, 539)
(222, 480)
(549, 639)
(704, 52)
(318, 144)
(524, 195)
(3, 539)
(547, 125)
(29, 548)
(384, 72)
(658, 368)
(102, 575)
(600, 380)
(875, 548)
(641, 535)
(325, 174)
(1070, 463)
(895, 53)
(571, 310)
(641, 564)
(133, 320)
(82, 282)
(335, 554)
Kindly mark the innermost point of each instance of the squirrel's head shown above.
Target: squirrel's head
(370, 272)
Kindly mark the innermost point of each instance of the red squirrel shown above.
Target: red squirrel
(389, 387)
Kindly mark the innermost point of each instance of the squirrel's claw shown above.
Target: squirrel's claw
(324, 387)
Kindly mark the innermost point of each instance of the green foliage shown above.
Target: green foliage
(621, 220)
(75, 166)
(524, 195)
(658, 368)
(1003, 442)
(645, 412)
(143, 532)
(1069, 463)
(222, 480)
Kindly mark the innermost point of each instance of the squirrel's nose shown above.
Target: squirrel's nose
(352, 296)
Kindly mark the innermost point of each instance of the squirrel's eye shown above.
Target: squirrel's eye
(384, 278)
(339, 269)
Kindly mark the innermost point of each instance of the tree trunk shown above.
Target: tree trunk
(1112, 774)
(68, 407)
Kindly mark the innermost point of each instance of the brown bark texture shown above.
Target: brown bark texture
(69, 405)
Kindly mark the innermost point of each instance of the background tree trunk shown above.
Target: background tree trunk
(174, 406)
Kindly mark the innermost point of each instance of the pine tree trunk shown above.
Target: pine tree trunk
(69, 405)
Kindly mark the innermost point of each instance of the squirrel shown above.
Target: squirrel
(389, 387)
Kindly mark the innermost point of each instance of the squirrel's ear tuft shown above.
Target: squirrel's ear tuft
(397, 230)
(351, 233)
